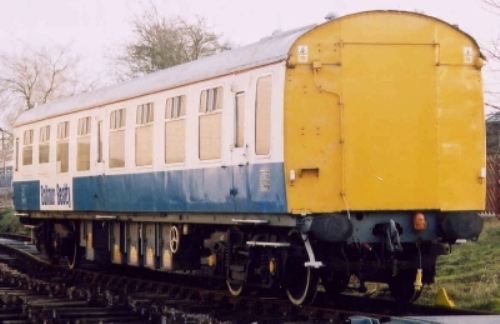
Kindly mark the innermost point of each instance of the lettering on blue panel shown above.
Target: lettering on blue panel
(60, 195)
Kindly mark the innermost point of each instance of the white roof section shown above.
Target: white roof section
(268, 50)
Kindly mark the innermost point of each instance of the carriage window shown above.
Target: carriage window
(84, 126)
(210, 123)
(117, 139)
(263, 116)
(117, 119)
(211, 99)
(175, 129)
(239, 120)
(144, 135)
(28, 147)
(145, 114)
(44, 145)
(83, 145)
(175, 107)
(62, 148)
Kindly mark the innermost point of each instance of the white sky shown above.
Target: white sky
(96, 26)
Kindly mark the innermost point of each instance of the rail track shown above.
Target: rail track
(32, 290)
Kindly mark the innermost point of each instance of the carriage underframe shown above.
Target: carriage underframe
(246, 252)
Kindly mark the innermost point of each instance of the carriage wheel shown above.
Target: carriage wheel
(303, 284)
(302, 281)
(234, 289)
(73, 251)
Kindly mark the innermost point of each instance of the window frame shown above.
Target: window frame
(256, 119)
(239, 121)
(63, 133)
(211, 104)
(16, 148)
(63, 130)
(121, 117)
(211, 100)
(177, 112)
(28, 141)
(84, 126)
(44, 140)
(117, 123)
(144, 118)
(83, 132)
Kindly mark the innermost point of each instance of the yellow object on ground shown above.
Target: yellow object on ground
(442, 299)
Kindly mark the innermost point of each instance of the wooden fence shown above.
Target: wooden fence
(493, 185)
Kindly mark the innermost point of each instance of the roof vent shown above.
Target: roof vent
(331, 15)
(232, 44)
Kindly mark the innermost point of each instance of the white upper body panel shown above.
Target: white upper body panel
(231, 84)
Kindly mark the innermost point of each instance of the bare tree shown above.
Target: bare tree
(161, 42)
(36, 76)
(492, 51)
(6, 142)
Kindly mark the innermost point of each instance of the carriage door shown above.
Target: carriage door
(239, 147)
(99, 184)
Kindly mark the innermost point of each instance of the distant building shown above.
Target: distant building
(6, 177)
(493, 134)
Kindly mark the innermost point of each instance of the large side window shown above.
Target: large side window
(44, 145)
(175, 129)
(144, 134)
(263, 116)
(83, 146)
(117, 139)
(239, 120)
(62, 147)
(210, 124)
(28, 147)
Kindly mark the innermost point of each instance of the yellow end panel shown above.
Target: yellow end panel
(383, 111)
(312, 126)
(313, 133)
(461, 133)
(391, 157)
(461, 129)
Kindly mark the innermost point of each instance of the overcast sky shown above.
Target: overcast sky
(94, 26)
(97, 26)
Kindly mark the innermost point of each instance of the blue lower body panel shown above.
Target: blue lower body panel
(27, 195)
(257, 188)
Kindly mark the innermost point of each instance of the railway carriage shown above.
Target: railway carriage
(355, 147)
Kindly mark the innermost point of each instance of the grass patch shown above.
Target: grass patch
(9, 223)
(470, 274)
